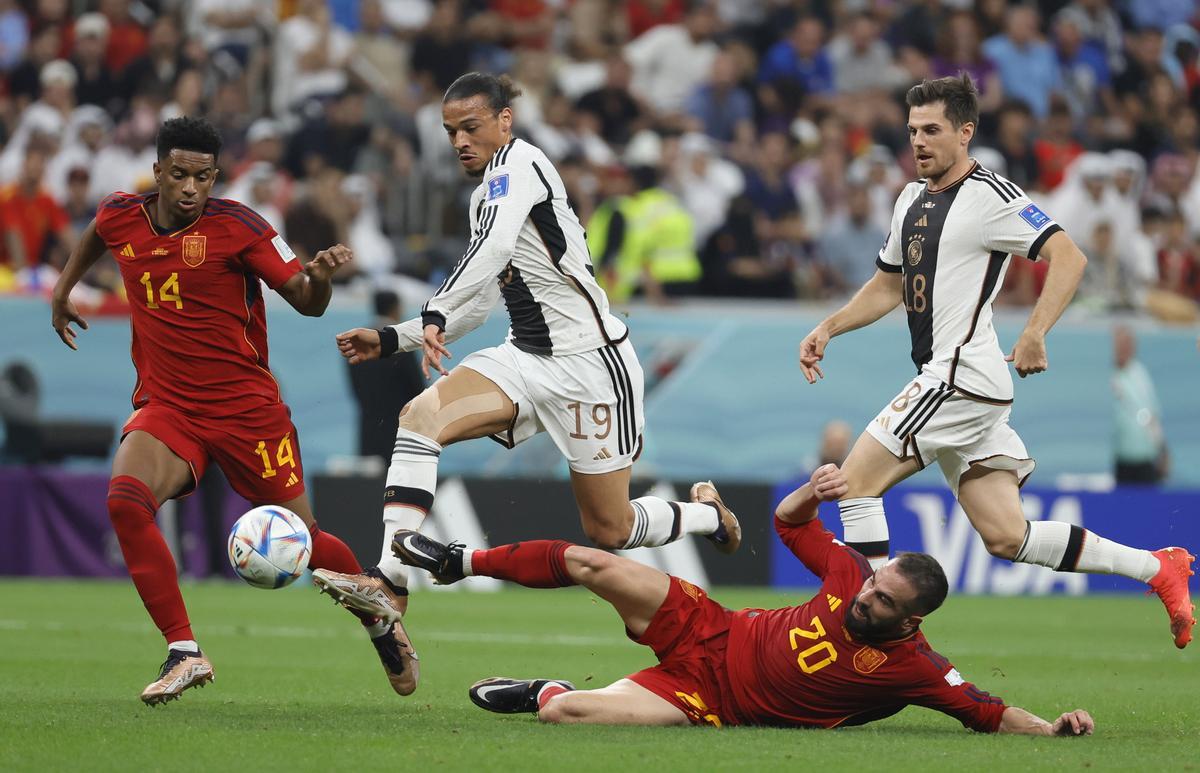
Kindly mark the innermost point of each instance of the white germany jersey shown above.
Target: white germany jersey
(526, 245)
(953, 247)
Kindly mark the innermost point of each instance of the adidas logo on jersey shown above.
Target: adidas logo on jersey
(922, 222)
(604, 454)
(833, 601)
(127, 250)
(292, 479)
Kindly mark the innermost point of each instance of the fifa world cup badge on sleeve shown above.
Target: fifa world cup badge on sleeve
(1035, 217)
(193, 249)
(497, 187)
(281, 246)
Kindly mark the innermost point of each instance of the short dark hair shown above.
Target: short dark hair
(957, 93)
(498, 89)
(187, 133)
(927, 578)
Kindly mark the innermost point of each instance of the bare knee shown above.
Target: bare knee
(562, 709)
(419, 415)
(1003, 543)
(607, 532)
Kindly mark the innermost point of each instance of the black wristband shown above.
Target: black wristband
(389, 341)
(433, 318)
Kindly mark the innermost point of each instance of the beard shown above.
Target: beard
(864, 630)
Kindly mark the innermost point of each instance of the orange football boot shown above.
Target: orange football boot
(1171, 585)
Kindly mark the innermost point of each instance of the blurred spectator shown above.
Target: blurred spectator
(1056, 148)
(374, 255)
(735, 263)
(264, 146)
(836, 438)
(334, 138)
(1026, 63)
(670, 60)
(442, 52)
(849, 246)
(188, 97)
(801, 58)
(916, 26)
(861, 60)
(383, 387)
(705, 183)
(96, 84)
(43, 122)
(1143, 58)
(230, 27)
(960, 50)
(155, 72)
(1084, 69)
(318, 216)
(311, 54)
(1014, 133)
(126, 36)
(1087, 198)
(1169, 189)
(127, 163)
(1161, 14)
(656, 256)
(1139, 447)
(619, 114)
(724, 110)
(87, 132)
(1099, 24)
(24, 82)
(14, 34)
(256, 189)
(383, 55)
(37, 231)
(1178, 259)
(642, 15)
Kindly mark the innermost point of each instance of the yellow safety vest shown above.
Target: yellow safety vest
(658, 239)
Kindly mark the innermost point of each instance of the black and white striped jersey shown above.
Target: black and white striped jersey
(953, 247)
(528, 247)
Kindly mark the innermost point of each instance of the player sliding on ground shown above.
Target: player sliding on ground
(567, 367)
(952, 237)
(191, 266)
(853, 654)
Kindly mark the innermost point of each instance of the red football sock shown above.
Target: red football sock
(538, 563)
(329, 552)
(549, 691)
(131, 508)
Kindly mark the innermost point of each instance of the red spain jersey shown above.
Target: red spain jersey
(800, 666)
(196, 305)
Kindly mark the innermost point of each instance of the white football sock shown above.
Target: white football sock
(411, 483)
(1067, 548)
(865, 529)
(657, 521)
(378, 628)
(184, 645)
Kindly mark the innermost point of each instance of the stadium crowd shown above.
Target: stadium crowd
(746, 148)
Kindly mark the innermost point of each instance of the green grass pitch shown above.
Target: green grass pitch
(299, 688)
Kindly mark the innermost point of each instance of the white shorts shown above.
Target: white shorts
(929, 420)
(590, 403)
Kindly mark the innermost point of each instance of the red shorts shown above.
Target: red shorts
(259, 452)
(689, 634)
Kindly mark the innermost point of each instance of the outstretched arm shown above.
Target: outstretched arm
(1017, 720)
(826, 485)
(1066, 269)
(62, 312)
(882, 293)
(309, 290)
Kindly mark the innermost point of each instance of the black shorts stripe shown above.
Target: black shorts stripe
(630, 408)
(619, 391)
(938, 403)
(916, 410)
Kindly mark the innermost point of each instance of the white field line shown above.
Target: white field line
(562, 640)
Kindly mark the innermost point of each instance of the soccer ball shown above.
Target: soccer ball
(269, 546)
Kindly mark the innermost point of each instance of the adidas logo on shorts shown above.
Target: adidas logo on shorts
(604, 454)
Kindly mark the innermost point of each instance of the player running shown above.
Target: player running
(566, 368)
(952, 236)
(191, 266)
(853, 654)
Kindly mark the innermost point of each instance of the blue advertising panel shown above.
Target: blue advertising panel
(930, 520)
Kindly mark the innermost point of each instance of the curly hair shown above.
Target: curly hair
(185, 133)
